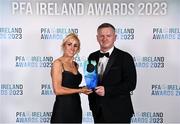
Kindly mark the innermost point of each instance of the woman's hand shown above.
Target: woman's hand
(86, 91)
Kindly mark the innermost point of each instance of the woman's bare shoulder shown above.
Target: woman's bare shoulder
(57, 62)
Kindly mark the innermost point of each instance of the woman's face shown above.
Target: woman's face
(71, 47)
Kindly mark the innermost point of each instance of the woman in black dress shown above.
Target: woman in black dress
(65, 80)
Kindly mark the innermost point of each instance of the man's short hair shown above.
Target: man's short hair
(106, 25)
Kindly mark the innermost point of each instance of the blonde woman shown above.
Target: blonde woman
(65, 80)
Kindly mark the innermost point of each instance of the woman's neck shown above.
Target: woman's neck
(68, 60)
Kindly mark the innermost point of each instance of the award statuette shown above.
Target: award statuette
(90, 74)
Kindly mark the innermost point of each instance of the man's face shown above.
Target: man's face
(106, 38)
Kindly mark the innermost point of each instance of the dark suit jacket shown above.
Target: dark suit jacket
(119, 80)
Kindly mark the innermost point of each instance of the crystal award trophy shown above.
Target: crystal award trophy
(90, 74)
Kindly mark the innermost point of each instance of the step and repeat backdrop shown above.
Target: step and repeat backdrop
(31, 33)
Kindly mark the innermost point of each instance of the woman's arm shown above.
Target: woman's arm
(56, 75)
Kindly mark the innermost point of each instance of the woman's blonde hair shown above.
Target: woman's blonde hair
(71, 36)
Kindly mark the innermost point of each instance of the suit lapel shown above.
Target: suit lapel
(110, 62)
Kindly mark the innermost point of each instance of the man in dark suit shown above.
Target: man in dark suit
(111, 100)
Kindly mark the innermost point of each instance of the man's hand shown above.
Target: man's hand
(100, 90)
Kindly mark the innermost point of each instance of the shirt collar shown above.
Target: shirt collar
(110, 51)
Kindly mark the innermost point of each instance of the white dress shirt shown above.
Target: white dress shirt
(103, 62)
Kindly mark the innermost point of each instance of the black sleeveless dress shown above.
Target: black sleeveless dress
(67, 108)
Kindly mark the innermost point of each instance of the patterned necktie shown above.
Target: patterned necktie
(101, 70)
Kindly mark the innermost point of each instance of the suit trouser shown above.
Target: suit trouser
(99, 118)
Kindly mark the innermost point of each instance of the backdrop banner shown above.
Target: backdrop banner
(31, 33)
